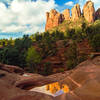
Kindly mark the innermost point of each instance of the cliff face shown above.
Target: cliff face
(97, 14)
(89, 11)
(53, 19)
(76, 12)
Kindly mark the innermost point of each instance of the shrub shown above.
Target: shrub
(71, 55)
(71, 64)
(47, 68)
(82, 58)
(95, 42)
(61, 70)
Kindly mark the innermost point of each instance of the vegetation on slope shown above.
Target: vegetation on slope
(52, 51)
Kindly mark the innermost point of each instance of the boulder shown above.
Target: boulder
(11, 68)
(89, 11)
(76, 12)
(97, 14)
(35, 80)
(66, 14)
(54, 18)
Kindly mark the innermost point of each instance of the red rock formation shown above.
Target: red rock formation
(76, 12)
(97, 14)
(66, 14)
(89, 11)
(53, 19)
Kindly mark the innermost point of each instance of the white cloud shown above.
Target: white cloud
(24, 15)
(70, 3)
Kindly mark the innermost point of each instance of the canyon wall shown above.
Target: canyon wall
(55, 18)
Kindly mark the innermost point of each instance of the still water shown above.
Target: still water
(54, 89)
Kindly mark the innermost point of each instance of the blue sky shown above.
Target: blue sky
(18, 17)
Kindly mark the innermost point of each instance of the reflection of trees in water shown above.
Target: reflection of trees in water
(54, 87)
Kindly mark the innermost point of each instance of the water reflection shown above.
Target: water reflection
(53, 89)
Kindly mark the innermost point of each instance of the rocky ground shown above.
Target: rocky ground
(83, 82)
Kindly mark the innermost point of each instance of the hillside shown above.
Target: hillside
(64, 26)
(68, 40)
(79, 33)
(56, 50)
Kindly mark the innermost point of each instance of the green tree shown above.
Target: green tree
(71, 55)
(23, 43)
(33, 58)
(95, 42)
(70, 33)
(9, 55)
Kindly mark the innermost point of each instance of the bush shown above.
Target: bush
(61, 70)
(47, 68)
(71, 55)
(82, 58)
(95, 42)
(71, 64)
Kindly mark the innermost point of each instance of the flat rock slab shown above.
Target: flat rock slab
(83, 83)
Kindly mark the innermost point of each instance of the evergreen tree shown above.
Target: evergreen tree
(33, 58)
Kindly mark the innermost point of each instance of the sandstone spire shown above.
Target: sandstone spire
(66, 14)
(54, 18)
(97, 14)
(89, 11)
(76, 12)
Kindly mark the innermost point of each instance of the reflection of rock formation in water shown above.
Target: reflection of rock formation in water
(65, 88)
(54, 87)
